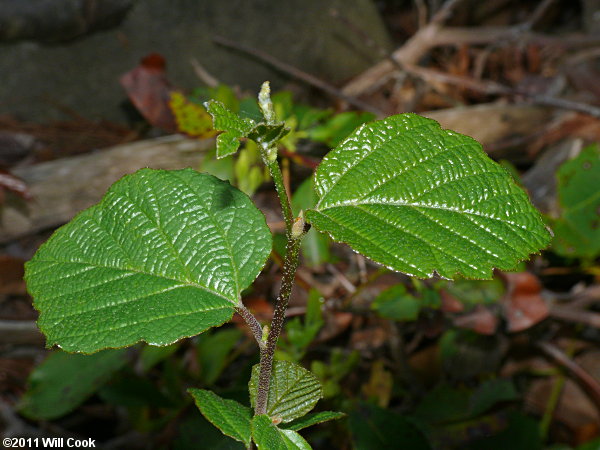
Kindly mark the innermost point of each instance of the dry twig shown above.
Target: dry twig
(297, 74)
(589, 383)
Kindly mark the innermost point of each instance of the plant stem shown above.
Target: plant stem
(295, 230)
(252, 323)
(286, 207)
(290, 265)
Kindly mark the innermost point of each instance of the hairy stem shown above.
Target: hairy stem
(290, 265)
(252, 323)
(286, 207)
(295, 230)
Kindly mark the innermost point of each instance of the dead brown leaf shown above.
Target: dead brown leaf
(523, 304)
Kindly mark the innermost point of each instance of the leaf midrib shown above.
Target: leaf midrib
(354, 203)
(350, 203)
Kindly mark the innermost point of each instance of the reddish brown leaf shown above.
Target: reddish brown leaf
(450, 303)
(261, 308)
(481, 320)
(14, 184)
(523, 304)
(149, 90)
(570, 125)
(336, 322)
(301, 160)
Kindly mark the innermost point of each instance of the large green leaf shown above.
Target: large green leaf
(163, 256)
(293, 391)
(268, 437)
(578, 229)
(64, 381)
(232, 418)
(420, 200)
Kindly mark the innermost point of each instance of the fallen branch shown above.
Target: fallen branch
(20, 332)
(62, 188)
(297, 74)
(434, 34)
(589, 383)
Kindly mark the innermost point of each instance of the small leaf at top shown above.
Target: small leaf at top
(314, 419)
(293, 391)
(265, 133)
(267, 436)
(420, 199)
(229, 416)
(163, 256)
(234, 128)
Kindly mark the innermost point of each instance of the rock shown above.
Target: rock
(82, 74)
(56, 20)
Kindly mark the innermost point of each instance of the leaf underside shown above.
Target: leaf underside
(268, 437)
(293, 390)
(419, 199)
(163, 256)
(314, 419)
(229, 416)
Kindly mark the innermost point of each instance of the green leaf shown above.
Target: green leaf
(374, 428)
(64, 381)
(521, 432)
(336, 129)
(314, 419)
(420, 200)
(152, 355)
(221, 168)
(397, 304)
(491, 392)
(196, 429)
(577, 231)
(134, 391)
(293, 391)
(233, 127)
(213, 352)
(444, 403)
(266, 133)
(472, 293)
(315, 245)
(229, 416)
(163, 256)
(300, 334)
(268, 437)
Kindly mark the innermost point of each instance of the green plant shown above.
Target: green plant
(577, 230)
(166, 254)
